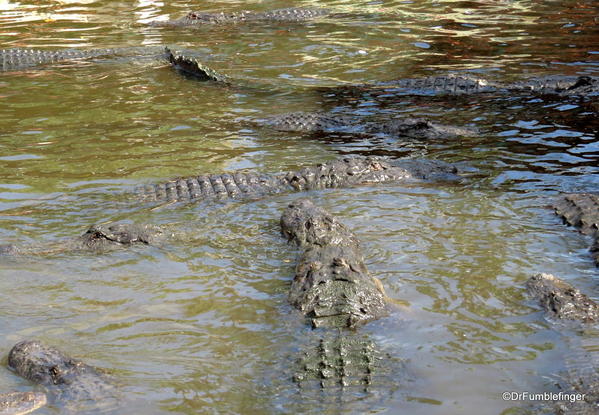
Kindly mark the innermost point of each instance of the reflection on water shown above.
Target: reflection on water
(202, 324)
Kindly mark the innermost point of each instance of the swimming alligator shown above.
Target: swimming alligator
(345, 172)
(564, 303)
(332, 123)
(68, 383)
(98, 238)
(196, 19)
(582, 211)
(333, 289)
(461, 84)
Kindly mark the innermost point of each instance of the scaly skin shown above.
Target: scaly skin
(195, 19)
(15, 59)
(193, 67)
(562, 302)
(97, 238)
(456, 85)
(21, 403)
(332, 286)
(331, 123)
(582, 211)
(68, 382)
(344, 172)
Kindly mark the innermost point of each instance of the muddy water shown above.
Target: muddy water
(201, 324)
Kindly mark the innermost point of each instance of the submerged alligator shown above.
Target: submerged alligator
(293, 14)
(562, 302)
(333, 289)
(98, 238)
(457, 84)
(332, 123)
(345, 172)
(582, 211)
(69, 383)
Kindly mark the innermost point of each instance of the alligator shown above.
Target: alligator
(332, 286)
(582, 211)
(462, 84)
(332, 123)
(98, 238)
(21, 403)
(333, 289)
(68, 383)
(198, 19)
(564, 303)
(344, 172)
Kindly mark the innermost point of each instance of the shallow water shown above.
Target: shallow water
(201, 324)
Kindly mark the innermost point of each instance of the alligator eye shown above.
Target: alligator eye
(55, 373)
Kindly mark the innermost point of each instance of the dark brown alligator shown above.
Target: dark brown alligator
(564, 303)
(582, 211)
(69, 383)
(345, 172)
(98, 238)
(333, 289)
(317, 122)
(460, 84)
(198, 19)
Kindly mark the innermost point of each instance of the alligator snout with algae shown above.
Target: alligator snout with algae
(69, 384)
(565, 304)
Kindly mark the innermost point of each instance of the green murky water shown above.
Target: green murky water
(202, 325)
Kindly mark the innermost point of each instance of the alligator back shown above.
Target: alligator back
(294, 14)
(15, 59)
(582, 211)
(559, 85)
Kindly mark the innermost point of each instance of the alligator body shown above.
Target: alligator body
(582, 211)
(15, 59)
(562, 302)
(330, 123)
(456, 85)
(333, 289)
(21, 403)
(332, 286)
(198, 19)
(192, 67)
(68, 382)
(344, 172)
(97, 238)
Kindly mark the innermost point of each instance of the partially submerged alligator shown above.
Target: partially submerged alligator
(69, 383)
(21, 403)
(332, 286)
(333, 289)
(562, 302)
(582, 211)
(332, 123)
(459, 84)
(345, 172)
(98, 238)
(195, 19)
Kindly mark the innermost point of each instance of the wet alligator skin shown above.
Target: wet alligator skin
(331, 123)
(582, 211)
(344, 172)
(332, 286)
(98, 238)
(21, 403)
(68, 382)
(562, 302)
(456, 85)
(191, 66)
(14, 59)
(194, 19)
